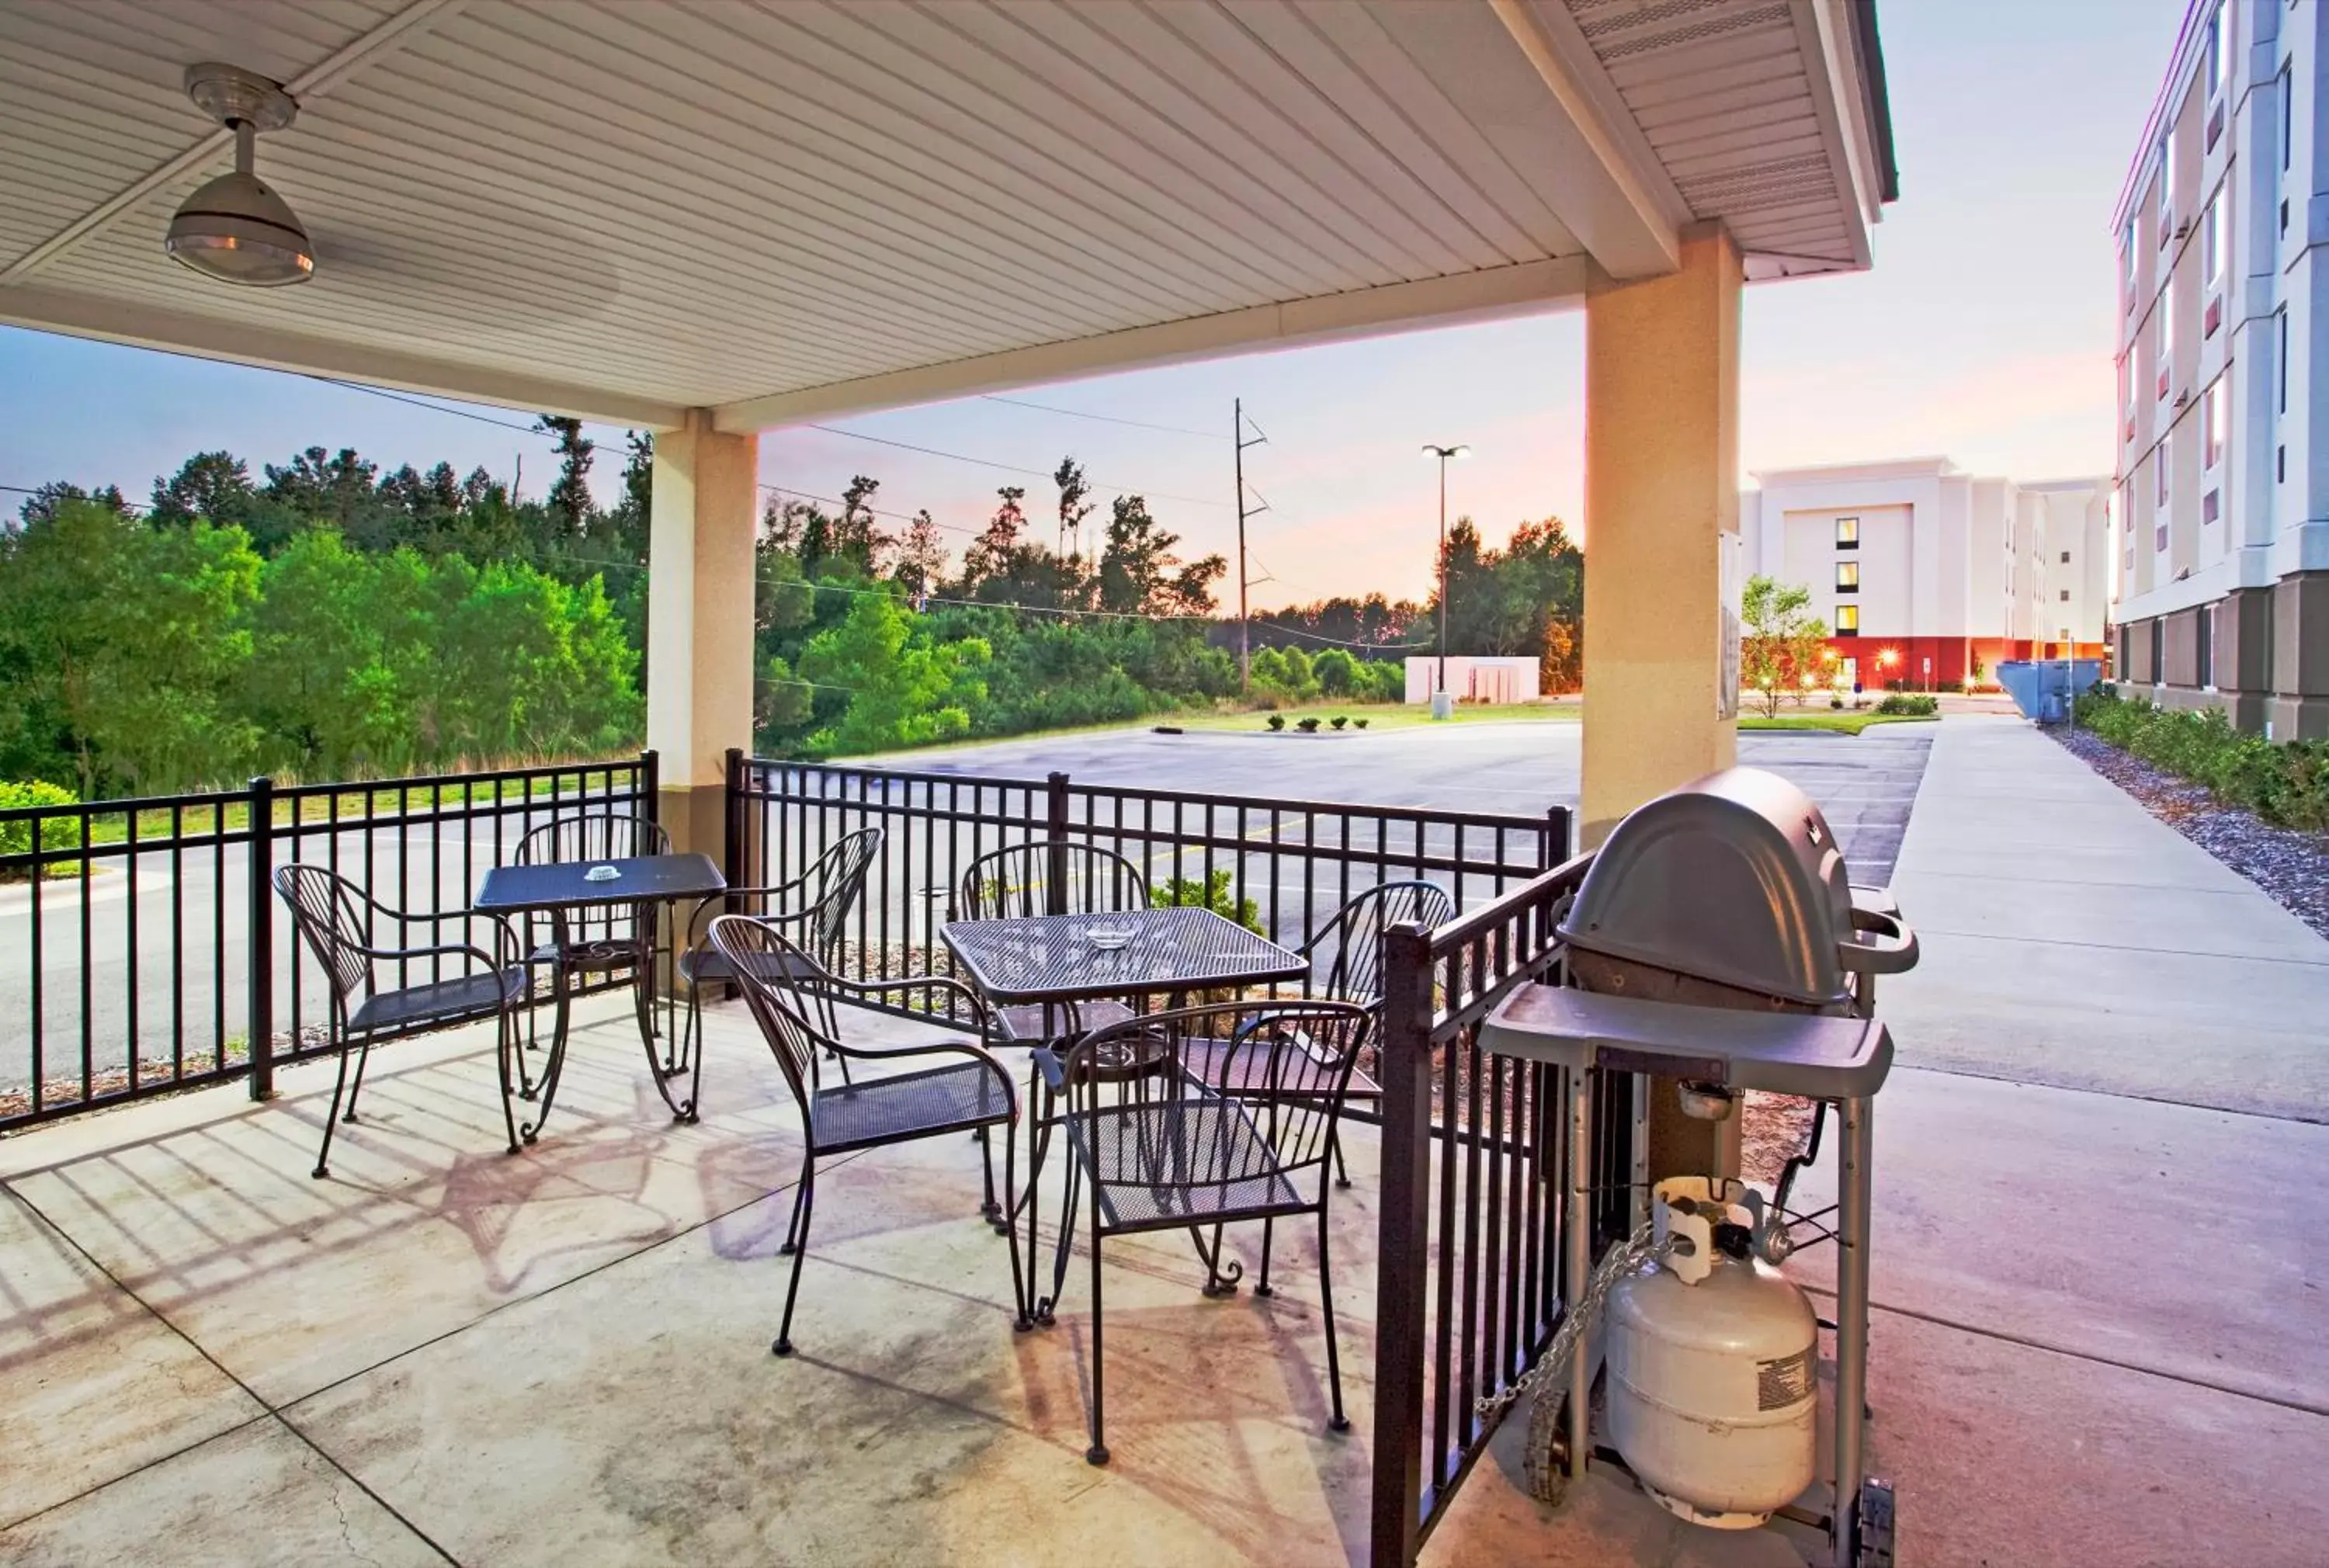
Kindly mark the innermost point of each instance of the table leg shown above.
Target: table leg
(560, 982)
(660, 1071)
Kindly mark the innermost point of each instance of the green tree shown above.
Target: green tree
(1781, 640)
(121, 644)
(214, 485)
(903, 690)
(1140, 575)
(569, 492)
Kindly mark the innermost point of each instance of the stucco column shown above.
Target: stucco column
(699, 621)
(1661, 511)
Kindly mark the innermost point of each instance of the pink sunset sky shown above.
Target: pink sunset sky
(1983, 333)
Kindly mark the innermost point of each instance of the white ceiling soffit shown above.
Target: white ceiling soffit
(1754, 110)
(792, 208)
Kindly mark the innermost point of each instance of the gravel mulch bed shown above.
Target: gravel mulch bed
(2291, 867)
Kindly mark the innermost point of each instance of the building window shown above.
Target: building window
(2158, 659)
(2166, 180)
(2287, 115)
(2284, 360)
(2159, 482)
(2217, 424)
(2215, 57)
(1847, 533)
(2205, 635)
(1847, 577)
(2211, 243)
(2066, 595)
(2163, 351)
(1847, 620)
(2066, 558)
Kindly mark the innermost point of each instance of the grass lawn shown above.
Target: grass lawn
(1845, 723)
(1378, 715)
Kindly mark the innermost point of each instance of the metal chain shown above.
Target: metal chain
(1548, 1379)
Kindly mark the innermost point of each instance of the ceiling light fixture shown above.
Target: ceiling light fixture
(234, 229)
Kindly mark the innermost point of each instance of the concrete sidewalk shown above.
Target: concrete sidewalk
(2100, 1293)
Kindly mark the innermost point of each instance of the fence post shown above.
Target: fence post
(1556, 838)
(732, 865)
(651, 785)
(261, 1002)
(1055, 827)
(1403, 1242)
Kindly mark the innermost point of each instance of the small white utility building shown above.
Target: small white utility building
(1476, 678)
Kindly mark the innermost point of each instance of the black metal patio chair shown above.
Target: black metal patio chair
(1046, 877)
(798, 1006)
(1162, 1148)
(597, 938)
(1346, 965)
(813, 908)
(337, 920)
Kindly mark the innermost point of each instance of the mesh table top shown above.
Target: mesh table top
(565, 884)
(1054, 958)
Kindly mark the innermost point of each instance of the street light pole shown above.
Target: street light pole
(1444, 454)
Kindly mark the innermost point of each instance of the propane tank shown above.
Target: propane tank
(1713, 1397)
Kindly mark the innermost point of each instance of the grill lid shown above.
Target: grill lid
(1735, 879)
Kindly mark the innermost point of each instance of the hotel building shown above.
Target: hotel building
(2221, 564)
(1930, 576)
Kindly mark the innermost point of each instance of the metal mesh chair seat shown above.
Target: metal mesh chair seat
(1024, 1026)
(707, 965)
(911, 1105)
(1246, 1074)
(1195, 1161)
(441, 1002)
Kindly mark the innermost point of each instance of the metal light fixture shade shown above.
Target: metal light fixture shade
(237, 231)
(235, 228)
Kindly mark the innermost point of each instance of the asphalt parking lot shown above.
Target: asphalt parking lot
(1866, 784)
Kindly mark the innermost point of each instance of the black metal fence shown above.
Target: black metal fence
(1470, 1222)
(140, 946)
(1285, 866)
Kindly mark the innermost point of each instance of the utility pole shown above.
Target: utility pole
(1245, 625)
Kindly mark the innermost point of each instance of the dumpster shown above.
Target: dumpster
(2043, 688)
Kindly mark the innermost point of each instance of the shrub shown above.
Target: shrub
(2285, 782)
(1214, 893)
(1358, 724)
(16, 837)
(1276, 721)
(1836, 703)
(1338, 721)
(1306, 726)
(1910, 705)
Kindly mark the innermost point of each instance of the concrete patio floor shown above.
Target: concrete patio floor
(2099, 1302)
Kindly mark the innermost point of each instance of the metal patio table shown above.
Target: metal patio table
(1054, 960)
(563, 889)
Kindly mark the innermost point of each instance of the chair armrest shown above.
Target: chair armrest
(1047, 1061)
(910, 983)
(687, 929)
(450, 948)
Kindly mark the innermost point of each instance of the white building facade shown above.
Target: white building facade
(2221, 503)
(1931, 577)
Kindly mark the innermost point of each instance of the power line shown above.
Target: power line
(1104, 418)
(424, 403)
(878, 512)
(1009, 467)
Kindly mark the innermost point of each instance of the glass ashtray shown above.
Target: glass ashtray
(602, 874)
(1108, 938)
